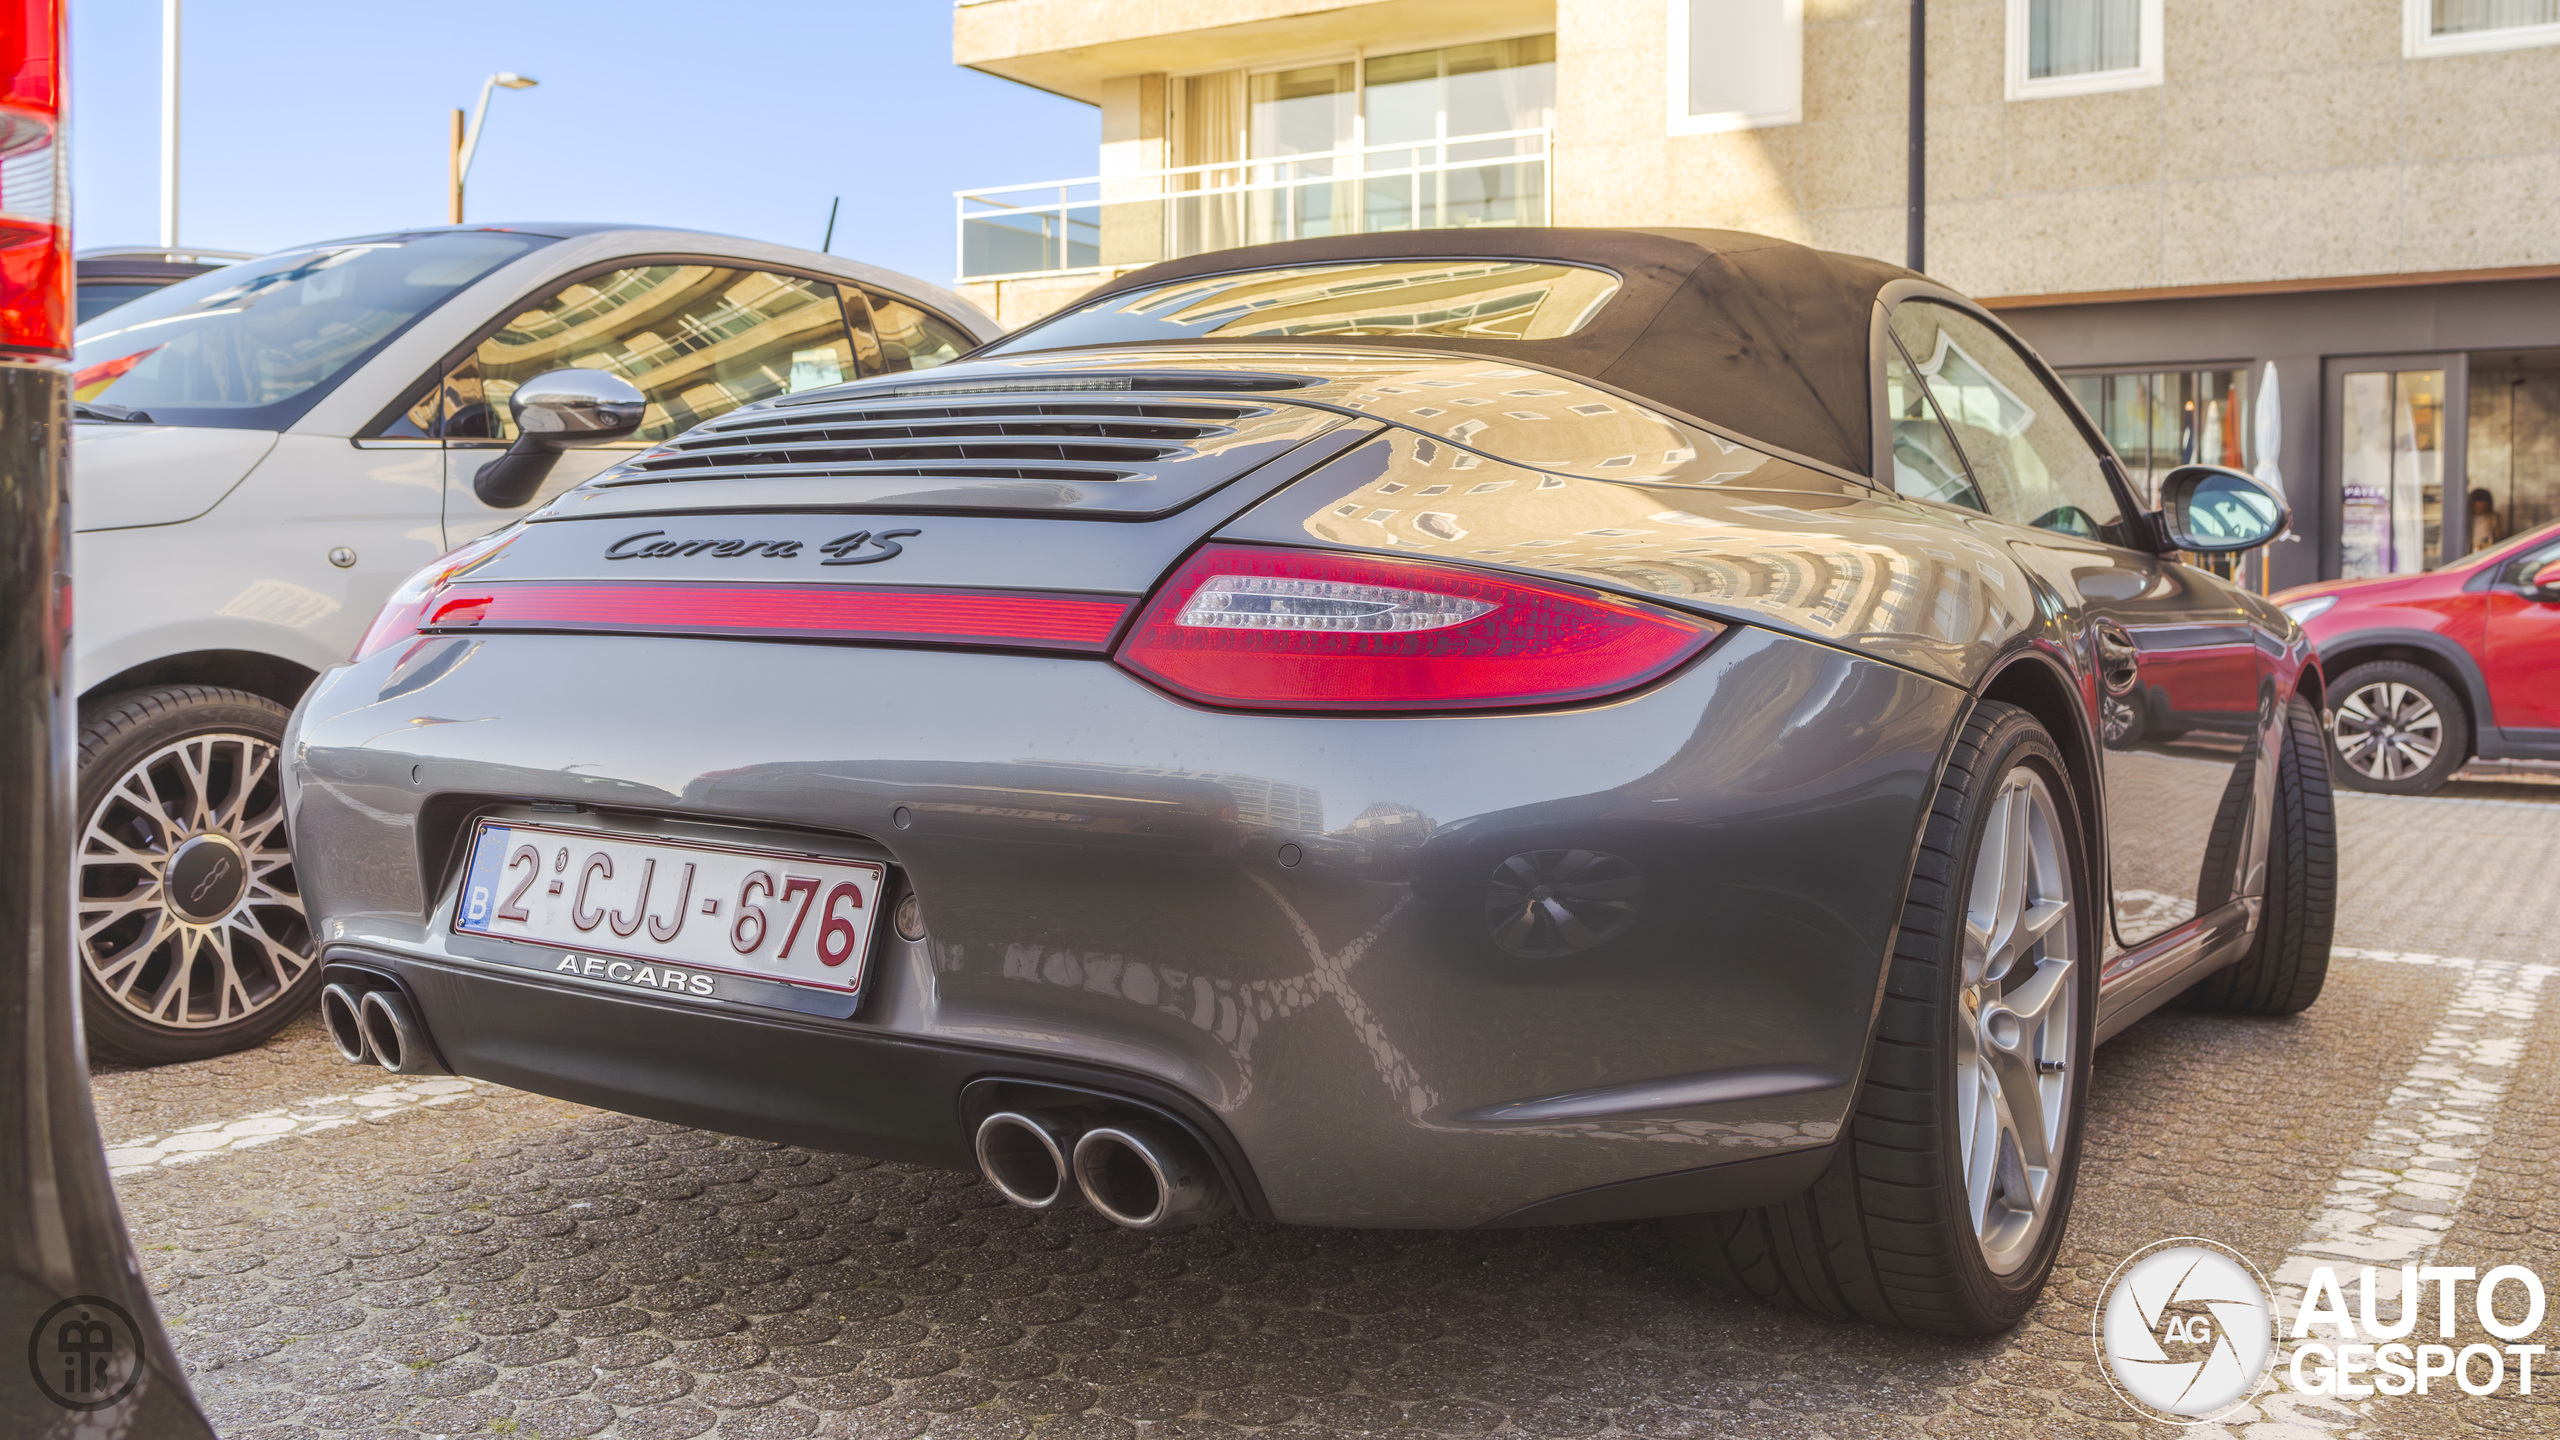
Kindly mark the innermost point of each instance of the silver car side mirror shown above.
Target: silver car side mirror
(2216, 511)
(555, 411)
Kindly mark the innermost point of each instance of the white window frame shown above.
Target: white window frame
(2146, 72)
(1678, 120)
(2420, 42)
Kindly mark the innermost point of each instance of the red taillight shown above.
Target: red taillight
(1272, 629)
(1014, 619)
(401, 614)
(35, 233)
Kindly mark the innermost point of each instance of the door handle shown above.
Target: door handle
(2119, 659)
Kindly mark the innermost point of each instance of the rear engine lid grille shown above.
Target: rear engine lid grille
(1104, 453)
(1101, 442)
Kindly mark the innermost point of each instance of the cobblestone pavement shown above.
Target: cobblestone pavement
(342, 1255)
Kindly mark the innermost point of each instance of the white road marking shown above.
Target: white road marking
(2404, 1186)
(191, 1143)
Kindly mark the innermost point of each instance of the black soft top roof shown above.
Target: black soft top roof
(1764, 338)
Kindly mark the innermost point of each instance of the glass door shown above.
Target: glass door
(1311, 110)
(1427, 98)
(2396, 450)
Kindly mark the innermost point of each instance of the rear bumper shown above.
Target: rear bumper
(1100, 871)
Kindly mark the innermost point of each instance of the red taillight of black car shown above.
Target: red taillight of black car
(1254, 628)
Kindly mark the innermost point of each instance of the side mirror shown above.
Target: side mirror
(555, 411)
(2214, 511)
(2545, 582)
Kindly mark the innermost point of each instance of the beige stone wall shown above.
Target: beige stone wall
(2290, 140)
(1016, 303)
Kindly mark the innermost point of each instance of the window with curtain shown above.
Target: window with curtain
(2467, 27)
(2458, 17)
(1735, 64)
(1208, 128)
(2077, 47)
(2079, 37)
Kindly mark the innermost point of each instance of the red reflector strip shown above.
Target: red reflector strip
(1018, 619)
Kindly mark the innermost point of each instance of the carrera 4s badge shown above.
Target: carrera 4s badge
(862, 547)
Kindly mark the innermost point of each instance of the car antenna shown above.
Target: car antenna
(828, 245)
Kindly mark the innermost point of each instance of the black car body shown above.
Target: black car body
(1501, 932)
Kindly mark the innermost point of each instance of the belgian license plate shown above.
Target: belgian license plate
(771, 914)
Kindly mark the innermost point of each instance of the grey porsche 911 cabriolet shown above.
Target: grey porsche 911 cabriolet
(1436, 729)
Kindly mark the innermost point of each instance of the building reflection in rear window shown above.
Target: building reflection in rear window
(1457, 299)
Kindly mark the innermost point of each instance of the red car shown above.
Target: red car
(2427, 672)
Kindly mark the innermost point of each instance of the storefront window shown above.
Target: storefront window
(2158, 420)
(2390, 473)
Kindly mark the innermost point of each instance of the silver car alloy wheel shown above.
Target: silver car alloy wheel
(2387, 730)
(188, 913)
(2016, 1021)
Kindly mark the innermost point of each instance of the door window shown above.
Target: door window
(699, 341)
(915, 339)
(2030, 464)
(1926, 464)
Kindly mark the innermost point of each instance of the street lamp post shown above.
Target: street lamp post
(467, 141)
(169, 124)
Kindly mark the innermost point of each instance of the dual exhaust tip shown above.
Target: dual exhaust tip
(377, 1027)
(1139, 1173)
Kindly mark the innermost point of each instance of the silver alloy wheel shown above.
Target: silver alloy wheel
(2016, 1025)
(189, 916)
(2387, 730)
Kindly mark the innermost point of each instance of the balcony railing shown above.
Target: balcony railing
(1059, 227)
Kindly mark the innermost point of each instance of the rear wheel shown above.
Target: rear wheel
(2399, 729)
(2288, 961)
(1945, 1203)
(191, 933)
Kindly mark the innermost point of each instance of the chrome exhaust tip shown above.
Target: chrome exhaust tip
(1144, 1175)
(1024, 1156)
(342, 1015)
(396, 1037)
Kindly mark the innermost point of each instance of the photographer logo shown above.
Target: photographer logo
(85, 1353)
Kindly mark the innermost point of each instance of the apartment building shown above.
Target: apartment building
(2318, 238)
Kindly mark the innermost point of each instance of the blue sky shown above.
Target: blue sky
(310, 119)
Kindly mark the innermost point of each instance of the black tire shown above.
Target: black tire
(2288, 961)
(2358, 766)
(1884, 1235)
(158, 955)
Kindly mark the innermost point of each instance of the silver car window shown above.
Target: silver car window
(253, 345)
(699, 340)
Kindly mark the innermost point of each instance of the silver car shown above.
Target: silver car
(1514, 728)
(264, 451)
